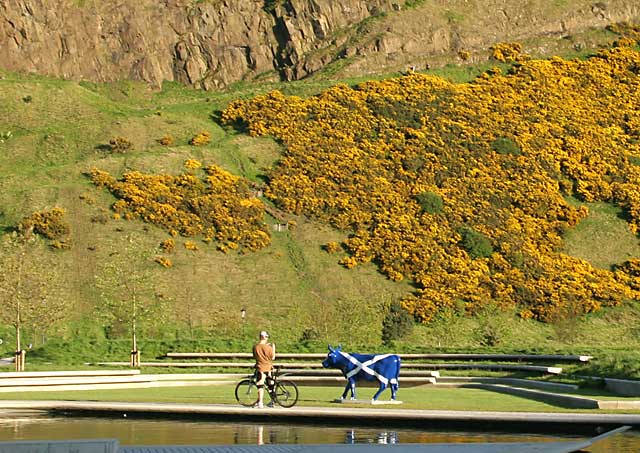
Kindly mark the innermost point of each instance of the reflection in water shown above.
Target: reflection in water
(384, 437)
(135, 431)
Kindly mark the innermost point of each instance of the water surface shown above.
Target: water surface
(22, 425)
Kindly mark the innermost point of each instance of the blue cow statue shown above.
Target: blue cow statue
(382, 367)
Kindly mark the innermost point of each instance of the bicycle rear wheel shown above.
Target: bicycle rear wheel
(247, 392)
(285, 393)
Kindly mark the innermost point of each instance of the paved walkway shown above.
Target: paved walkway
(363, 415)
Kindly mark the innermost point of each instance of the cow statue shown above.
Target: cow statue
(382, 367)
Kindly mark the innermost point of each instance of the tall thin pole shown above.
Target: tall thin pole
(18, 356)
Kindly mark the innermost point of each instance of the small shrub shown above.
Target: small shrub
(167, 140)
(464, 55)
(475, 243)
(27, 99)
(50, 224)
(507, 51)
(430, 202)
(565, 320)
(331, 247)
(164, 262)
(505, 145)
(309, 334)
(491, 328)
(413, 164)
(87, 199)
(101, 217)
(634, 160)
(120, 145)
(192, 164)
(396, 324)
(202, 138)
(168, 245)
(190, 245)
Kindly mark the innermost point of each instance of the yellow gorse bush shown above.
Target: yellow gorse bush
(51, 224)
(507, 52)
(163, 261)
(168, 245)
(501, 153)
(221, 207)
(190, 245)
(167, 140)
(202, 138)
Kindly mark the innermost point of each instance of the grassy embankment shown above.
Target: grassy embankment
(59, 132)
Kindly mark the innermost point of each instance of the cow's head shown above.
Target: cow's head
(333, 358)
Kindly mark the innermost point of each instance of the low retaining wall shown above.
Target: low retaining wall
(622, 387)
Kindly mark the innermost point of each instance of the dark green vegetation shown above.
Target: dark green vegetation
(53, 132)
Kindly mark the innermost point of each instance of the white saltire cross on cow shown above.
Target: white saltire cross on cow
(383, 367)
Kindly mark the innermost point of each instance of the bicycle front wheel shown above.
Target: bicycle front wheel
(247, 392)
(286, 393)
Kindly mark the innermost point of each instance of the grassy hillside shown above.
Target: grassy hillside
(54, 132)
(59, 131)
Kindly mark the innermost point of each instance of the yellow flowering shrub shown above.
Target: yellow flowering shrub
(167, 140)
(507, 52)
(221, 207)
(192, 164)
(168, 245)
(464, 55)
(163, 261)
(120, 144)
(51, 224)
(190, 245)
(332, 247)
(500, 155)
(202, 138)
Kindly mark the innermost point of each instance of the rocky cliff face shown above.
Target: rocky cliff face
(206, 44)
(211, 43)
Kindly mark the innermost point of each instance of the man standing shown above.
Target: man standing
(264, 353)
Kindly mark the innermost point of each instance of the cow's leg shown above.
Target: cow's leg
(346, 390)
(394, 389)
(352, 386)
(380, 390)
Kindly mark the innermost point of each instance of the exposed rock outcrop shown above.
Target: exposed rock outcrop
(205, 44)
(213, 43)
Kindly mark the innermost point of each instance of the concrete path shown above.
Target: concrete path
(363, 415)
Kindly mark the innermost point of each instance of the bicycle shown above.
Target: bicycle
(282, 391)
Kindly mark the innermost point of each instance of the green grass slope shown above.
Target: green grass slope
(53, 132)
(59, 131)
